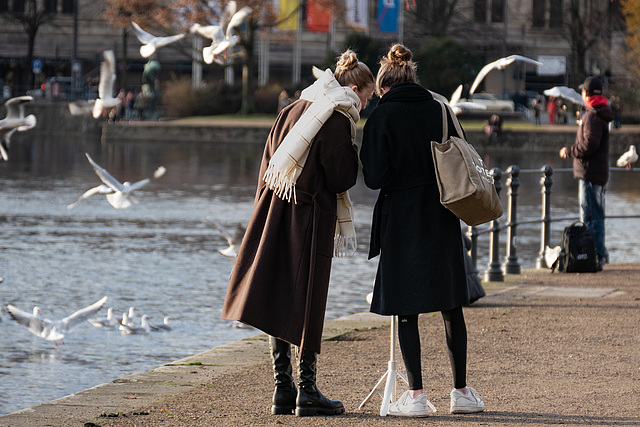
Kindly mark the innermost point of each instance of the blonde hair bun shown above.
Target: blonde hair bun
(399, 55)
(348, 60)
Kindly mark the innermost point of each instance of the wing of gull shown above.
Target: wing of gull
(150, 42)
(105, 87)
(101, 189)
(53, 330)
(499, 64)
(234, 240)
(231, 39)
(565, 93)
(14, 121)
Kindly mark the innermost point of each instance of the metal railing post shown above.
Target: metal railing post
(512, 266)
(494, 273)
(545, 226)
(472, 233)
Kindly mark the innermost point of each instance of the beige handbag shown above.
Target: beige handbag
(465, 183)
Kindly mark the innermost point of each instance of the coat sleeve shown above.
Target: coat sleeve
(374, 154)
(338, 159)
(588, 138)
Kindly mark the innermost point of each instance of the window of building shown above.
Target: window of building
(18, 6)
(51, 6)
(67, 6)
(538, 13)
(480, 11)
(555, 14)
(497, 10)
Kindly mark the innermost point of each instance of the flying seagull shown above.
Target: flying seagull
(234, 240)
(499, 64)
(231, 39)
(150, 42)
(458, 106)
(629, 157)
(118, 195)
(566, 93)
(53, 330)
(14, 121)
(105, 98)
(213, 32)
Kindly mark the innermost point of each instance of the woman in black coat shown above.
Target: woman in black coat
(421, 266)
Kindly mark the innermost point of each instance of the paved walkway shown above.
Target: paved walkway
(544, 349)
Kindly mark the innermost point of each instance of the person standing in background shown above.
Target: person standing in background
(590, 154)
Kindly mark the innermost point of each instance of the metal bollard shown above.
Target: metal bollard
(472, 233)
(512, 266)
(545, 226)
(494, 273)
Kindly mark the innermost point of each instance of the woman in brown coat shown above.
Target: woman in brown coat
(281, 277)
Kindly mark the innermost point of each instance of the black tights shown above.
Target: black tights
(456, 332)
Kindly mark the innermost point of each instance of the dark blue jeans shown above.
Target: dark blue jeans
(591, 198)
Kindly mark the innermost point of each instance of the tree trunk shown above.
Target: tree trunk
(248, 102)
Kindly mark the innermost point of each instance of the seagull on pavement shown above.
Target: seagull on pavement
(629, 157)
(150, 42)
(118, 194)
(14, 121)
(499, 64)
(105, 98)
(53, 330)
(234, 240)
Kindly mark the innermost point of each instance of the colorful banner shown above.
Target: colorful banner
(318, 18)
(357, 13)
(388, 16)
(288, 8)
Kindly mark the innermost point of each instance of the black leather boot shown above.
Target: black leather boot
(284, 396)
(310, 401)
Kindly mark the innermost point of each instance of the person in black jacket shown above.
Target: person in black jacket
(590, 154)
(421, 266)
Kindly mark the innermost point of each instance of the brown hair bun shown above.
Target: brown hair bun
(399, 55)
(348, 60)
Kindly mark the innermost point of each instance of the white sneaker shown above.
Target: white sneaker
(466, 403)
(406, 406)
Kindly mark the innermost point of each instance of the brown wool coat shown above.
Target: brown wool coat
(280, 279)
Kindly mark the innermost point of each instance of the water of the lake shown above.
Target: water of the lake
(160, 256)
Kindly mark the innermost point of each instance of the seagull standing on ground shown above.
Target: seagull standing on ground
(118, 194)
(105, 98)
(14, 121)
(151, 43)
(628, 158)
(53, 330)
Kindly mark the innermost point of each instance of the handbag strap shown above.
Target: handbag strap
(445, 124)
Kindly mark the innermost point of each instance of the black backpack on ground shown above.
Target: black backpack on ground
(578, 253)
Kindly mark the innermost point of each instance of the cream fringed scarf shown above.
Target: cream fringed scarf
(326, 96)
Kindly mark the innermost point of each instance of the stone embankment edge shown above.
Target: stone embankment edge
(132, 392)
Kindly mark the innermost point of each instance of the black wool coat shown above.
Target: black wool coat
(421, 266)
